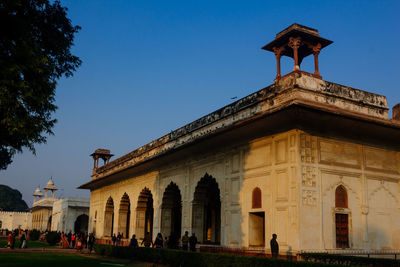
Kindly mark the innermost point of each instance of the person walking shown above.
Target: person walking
(114, 239)
(73, 239)
(91, 241)
(274, 246)
(9, 240)
(69, 237)
(118, 239)
(158, 243)
(133, 243)
(185, 241)
(165, 242)
(12, 240)
(23, 240)
(147, 241)
(193, 242)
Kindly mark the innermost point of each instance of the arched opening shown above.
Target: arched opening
(256, 198)
(341, 218)
(109, 217)
(144, 214)
(81, 224)
(256, 221)
(49, 224)
(124, 216)
(171, 211)
(206, 211)
(341, 197)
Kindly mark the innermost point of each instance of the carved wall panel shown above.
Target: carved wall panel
(339, 153)
(258, 155)
(381, 160)
(281, 151)
(282, 185)
(309, 197)
(308, 148)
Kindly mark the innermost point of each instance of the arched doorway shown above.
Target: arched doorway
(171, 211)
(49, 224)
(144, 214)
(124, 216)
(206, 211)
(81, 224)
(109, 217)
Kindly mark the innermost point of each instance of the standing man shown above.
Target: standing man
(91, 241)
(185, 241)
(193, 242)
(274, 246)
(134, 242)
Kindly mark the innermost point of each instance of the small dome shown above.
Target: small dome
(50, 185)
(37, 193)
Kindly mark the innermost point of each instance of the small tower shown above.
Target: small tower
(37, 194)
(297, 42)
(50, 186)
(103, 154)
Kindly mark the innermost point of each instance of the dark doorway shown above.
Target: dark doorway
(206, 211)
(81, 224)
(49, 224)
(124, 216)
(342, 230)
(171, 211)
(109, 218)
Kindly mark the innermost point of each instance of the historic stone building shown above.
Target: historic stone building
(59, 214)
(11, 220)
(315, 162)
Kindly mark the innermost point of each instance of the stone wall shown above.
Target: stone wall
(371, 177)
(12, 220)
(297, 174)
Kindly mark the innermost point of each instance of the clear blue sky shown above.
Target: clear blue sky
(150, 67)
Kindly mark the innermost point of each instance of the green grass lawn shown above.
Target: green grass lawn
(31, 244)
(56, 260)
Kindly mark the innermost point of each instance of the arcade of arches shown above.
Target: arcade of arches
(240, 198)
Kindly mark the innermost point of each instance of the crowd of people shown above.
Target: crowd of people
(77, 241)
(17, 234)
(172, 242)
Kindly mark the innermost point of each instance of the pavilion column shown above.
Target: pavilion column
(316, 49)
(278, 55)
(295, 43)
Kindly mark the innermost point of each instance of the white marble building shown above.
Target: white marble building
(59, 214)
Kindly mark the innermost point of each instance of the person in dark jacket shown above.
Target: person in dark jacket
(158, 242)
(193, 242)
(274, 246)
(133, 243)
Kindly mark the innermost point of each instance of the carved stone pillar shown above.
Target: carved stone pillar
(295, 43)
(316, 49)
(278, 54)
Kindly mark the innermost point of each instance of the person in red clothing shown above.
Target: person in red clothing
(9, 240)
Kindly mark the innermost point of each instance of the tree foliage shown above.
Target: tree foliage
(36, 39)
(11, 199)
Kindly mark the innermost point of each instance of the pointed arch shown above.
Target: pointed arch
(144, 213)
(171, 211)
(256, 200)
(341, 200)
(206, 211)
(124, 215)
(109, 217)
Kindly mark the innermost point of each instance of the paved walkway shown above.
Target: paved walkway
(52, 250)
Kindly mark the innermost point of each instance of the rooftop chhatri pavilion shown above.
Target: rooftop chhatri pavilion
(297, 42)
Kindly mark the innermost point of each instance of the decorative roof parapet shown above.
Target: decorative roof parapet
(297, 86)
